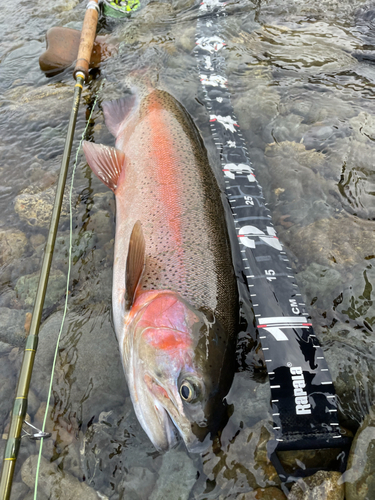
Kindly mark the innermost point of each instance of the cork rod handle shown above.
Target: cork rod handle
(87, 39)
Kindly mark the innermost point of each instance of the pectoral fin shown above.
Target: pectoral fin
(135, 264)
(106, 162)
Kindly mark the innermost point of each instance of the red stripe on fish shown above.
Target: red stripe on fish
(167, 175)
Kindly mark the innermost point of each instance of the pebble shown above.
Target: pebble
(323, 485)
(37, 240)
(54, 483)
(293, 460)
(8, 298)
(359, 477)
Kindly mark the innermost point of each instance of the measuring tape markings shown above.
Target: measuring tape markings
(303, 399)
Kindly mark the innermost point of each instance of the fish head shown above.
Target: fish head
(176, 371)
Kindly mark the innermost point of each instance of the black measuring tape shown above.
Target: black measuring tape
(304, 406)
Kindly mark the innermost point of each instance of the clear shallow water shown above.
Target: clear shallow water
(302, 83)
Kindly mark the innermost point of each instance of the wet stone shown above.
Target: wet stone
(26, 288)
(352, 371)
(177, 476)
(252, 408)
(37, 240)
(271, 493)
(19, 491)
(293, 460)
(135, 477)
(318, 282)
(54, 483)
(288, 192)
(96, 290)
(325, 241)
(86, 366)
(7, 391)
(12, 326)
(41, 496)
(117, 435)
(8, 298)
(35, 208)
(360, 474)
(12, 245)
(102, 225)
(22, 267)
(323, 485)
(244, 465)
(82, 244)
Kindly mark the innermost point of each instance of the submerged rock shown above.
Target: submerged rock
(343, 240)
(12, 323)
(55, 483)
(13, 244)
(88, 377)
(243, 464)
(323, 485)
(360, 475)
(35, 208)
(131, 459)
(177, 476)
(26, 288)
(271, 493)
(287, 192)
(19, 491)
(137, 476)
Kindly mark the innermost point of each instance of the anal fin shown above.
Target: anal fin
(135, 264)
(106, 162)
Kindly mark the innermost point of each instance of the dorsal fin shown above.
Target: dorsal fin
(116, 111)
(106, 162)
(135, 263)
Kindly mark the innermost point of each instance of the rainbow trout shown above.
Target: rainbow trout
(174, 299)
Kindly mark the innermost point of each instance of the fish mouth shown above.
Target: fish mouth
(173, 423)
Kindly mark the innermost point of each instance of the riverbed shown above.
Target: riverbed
(302, 79)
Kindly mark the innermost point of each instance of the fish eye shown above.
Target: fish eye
(188, 391)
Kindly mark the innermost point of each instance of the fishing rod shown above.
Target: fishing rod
(80, 74)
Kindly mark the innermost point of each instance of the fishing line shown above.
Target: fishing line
(67, 286)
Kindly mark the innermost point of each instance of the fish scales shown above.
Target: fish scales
(170, 187)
